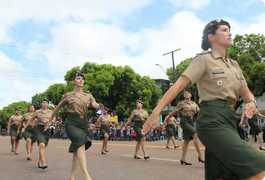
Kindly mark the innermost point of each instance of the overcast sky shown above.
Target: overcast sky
(41, 40)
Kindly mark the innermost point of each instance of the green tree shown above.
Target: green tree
(10, 110)
(116, 87)
(249, 51)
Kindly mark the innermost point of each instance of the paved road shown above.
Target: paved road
(118, 164)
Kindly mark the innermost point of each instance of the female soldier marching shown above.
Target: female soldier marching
(105, 123)
(29, 131)
(169, 123)
(12, 127)
(43, 115)
(188, 109)
(139, 115)
(77, 102)
(220, 82)
(255, 129)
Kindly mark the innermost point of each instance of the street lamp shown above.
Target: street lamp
(162, 68)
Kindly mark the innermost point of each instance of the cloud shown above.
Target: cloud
(92, 32)
(193, 4)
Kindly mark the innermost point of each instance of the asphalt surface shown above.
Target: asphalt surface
(118, 164)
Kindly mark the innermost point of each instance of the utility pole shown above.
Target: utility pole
(173, 63)
(174, 72)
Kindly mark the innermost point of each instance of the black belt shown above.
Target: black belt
(78, 115)
(222, 103)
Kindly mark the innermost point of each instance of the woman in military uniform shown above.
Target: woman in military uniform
(169, 123)
(139, 115)
(255, 129)
(42, 115)
(12, 127)
(188, 109)
(29, 132)
(220, 82)
(105, 123)
(77, 102)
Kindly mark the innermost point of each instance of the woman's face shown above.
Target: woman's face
(105, 111)
(187, 95)
(79, 81)
(139, 105)
(44, 104)
(31, 109)
(222, 37)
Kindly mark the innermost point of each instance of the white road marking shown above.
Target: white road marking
(159, 159)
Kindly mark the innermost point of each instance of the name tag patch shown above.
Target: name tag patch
(219, 72)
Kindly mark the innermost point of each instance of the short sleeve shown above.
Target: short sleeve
(34, 116)
(63, 101)
(99, 119)
(23, 118)
(242, 79)
(9, 121)
(179, 107)
(92, 99)
(133, 114)
(196, 69)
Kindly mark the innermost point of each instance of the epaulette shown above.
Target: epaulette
(180, 102)
(205, 52)
(87, 92)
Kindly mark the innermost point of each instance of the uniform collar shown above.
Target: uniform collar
(216, 55)
(72, 92)
(187, 101)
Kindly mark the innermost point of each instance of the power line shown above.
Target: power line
(25, 73)
(47, 50)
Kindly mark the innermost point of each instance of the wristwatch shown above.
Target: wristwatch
(254, 102)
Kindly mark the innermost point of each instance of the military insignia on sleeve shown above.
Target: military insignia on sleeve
(219, 83)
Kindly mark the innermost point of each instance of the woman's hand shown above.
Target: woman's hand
(47, 126)
(151, 123)
(250, 109)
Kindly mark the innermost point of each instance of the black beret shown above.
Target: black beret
(215, 23)
(188, 90)
(78, 74)
(44, 99)
(17, 109)
(139, 101)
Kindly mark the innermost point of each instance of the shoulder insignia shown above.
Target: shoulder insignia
(87, 92)
(203, 53)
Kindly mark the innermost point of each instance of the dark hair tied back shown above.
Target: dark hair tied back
(211, 28)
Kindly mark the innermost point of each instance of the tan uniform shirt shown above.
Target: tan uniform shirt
(104, 119)
(15, 119)
(216, 77)
(139, 115)
(187, 108)
(76, 105)
(42, 117)
(172, 120)
(27, 117)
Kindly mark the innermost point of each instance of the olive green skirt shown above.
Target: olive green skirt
(13, 132)
(42, 136)
(255, 128)
(76, 127)
(137, 127)
(170, 130)
(187, 124)
(226, 155)
(29, 133)
(104, 129)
